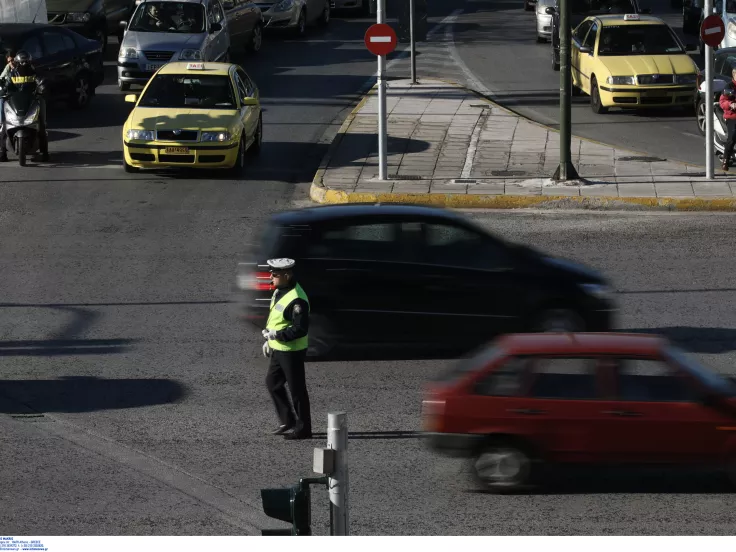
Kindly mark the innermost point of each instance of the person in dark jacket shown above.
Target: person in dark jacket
(286, 344)
(728, 104)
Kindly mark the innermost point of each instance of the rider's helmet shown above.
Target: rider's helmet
(23, 58)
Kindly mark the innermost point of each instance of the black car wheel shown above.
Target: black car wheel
(256, 39)
(257, 144)
(595, 98)
(503, 467)
(82, 93)
(700, 115)
(555, 61)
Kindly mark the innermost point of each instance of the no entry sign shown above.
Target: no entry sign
(380, 39)
(712, 31)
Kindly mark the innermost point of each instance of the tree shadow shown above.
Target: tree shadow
(74, 394)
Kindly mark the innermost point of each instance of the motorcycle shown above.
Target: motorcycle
(22, 118)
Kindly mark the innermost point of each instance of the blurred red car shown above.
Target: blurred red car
(531, 399)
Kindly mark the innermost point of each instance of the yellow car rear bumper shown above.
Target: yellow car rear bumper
(660, 96)
(152, 155)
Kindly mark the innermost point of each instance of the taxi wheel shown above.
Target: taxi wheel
(255, 147)
(595, 98)
(503, 467)
(240, 160)
(129, 168)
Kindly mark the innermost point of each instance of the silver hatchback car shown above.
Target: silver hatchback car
(161, 31)
(295, 15)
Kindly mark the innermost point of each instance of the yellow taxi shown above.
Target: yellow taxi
(632, 61)
(199, 114)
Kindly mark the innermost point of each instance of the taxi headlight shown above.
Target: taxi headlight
(215, 137)
(284, 5)
(621, 80)
(687, 79)
(190, 54)
(135, 134)
(77, 17)
(128, 53)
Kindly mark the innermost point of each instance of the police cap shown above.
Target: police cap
(281, 265)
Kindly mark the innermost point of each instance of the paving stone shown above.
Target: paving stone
(671, 189)
(710, 188)
(415, 187)
(636, 190)
(561, 190)
(599, 190)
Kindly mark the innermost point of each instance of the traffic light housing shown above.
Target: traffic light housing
(292, 505)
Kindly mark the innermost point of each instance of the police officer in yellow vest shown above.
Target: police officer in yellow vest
(287, 339)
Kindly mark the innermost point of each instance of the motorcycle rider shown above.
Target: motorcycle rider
(727, 102)
(22, 74)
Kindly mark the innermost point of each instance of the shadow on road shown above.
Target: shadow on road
(696, 340)
(86, 394)
(64, 347)
(357, 435)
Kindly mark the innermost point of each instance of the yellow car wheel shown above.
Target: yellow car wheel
(239, 165)
(595, 98)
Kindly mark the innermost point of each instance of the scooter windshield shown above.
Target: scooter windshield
(20, 101)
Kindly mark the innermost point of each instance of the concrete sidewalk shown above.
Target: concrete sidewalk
(449, 146)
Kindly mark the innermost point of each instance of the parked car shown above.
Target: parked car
(544, 20)
(724, 61)
(362, 6)
(69, 64)
(171, 30)
(295, 15)
(94, 19)
(692, 16)
(595, 399)
(245, 24)
(416, 277)
(580, 10)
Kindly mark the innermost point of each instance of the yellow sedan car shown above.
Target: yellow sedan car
(203, 114)
(632, 61)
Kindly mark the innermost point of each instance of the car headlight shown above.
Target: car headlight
(284, 5)
(128, 53)
(621, 80)
(216, 137)
(190, 54)
(731, 29)
(687, 79)
(597, 290)
(135, 134)
(78, 17)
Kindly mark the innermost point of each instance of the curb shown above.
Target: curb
(322, 195)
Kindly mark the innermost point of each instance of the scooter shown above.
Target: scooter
(22, 117)
(720, 128)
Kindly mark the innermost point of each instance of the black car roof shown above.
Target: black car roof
(324, 213)
(15, 29)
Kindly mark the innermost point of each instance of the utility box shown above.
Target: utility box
(420, 21)
(324, 461)
(23, 11)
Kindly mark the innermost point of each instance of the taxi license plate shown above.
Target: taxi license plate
(656, 94)
(153, 67)
(177, 151)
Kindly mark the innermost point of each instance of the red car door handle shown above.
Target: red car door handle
(525, 411)
(621, 412)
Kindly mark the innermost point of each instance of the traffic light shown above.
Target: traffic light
(293, 505)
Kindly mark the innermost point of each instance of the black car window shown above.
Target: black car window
(505, 381)
(590, 39)
(54, 43)
(652, 381)
(68, 43)
(581, 31)
(370, 242)
(32, 45)
(564, 378)
(456, 246)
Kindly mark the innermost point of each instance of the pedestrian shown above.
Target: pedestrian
(286, 344)
(727, 102)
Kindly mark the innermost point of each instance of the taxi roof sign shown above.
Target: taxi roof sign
(195, 66)
(631, 17)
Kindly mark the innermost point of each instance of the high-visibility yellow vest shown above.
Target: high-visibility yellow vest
(22, 80)
(276, 320)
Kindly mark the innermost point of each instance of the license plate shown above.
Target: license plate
(153, 67)
(177, 151)
(656, 94)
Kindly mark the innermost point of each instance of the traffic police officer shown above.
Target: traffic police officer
(287, 337)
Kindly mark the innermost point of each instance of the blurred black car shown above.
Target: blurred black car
(69, 64)
(579, 10)
(724, 61)
(95, 19)
(412, 276)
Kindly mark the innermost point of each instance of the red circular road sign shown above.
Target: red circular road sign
(380, 39)
(712, 30)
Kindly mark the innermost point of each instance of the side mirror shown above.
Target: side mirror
(131, 98)
(250, 102)
(549, 11)
(585, 50)
(215, 27)
(123, 25)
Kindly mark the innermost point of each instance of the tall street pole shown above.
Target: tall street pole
(708, 101)
(382, 132)
(565, 171)
(412, 44)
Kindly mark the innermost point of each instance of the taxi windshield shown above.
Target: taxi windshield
(638, 40)
(189, 91)
(168, 17)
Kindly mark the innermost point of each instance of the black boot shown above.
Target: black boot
(3, 156)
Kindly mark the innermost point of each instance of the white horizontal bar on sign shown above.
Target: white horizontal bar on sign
(712, 30)
(380, 39)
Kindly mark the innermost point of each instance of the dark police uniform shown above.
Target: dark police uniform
(287, 334)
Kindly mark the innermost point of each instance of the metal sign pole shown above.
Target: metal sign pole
(708, 101)
(337, 440)
(413, 45)
(382, 135)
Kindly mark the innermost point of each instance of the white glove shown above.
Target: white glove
(266, 350)
(269, 334)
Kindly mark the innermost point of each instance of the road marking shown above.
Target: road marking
(380, 39)
(472, 148)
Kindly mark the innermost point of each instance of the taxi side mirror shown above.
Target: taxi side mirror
(131, 98)
(250, 102)
(585, 50)
(123, 25)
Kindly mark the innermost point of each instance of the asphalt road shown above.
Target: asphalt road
(496, 39)
(114, 322)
